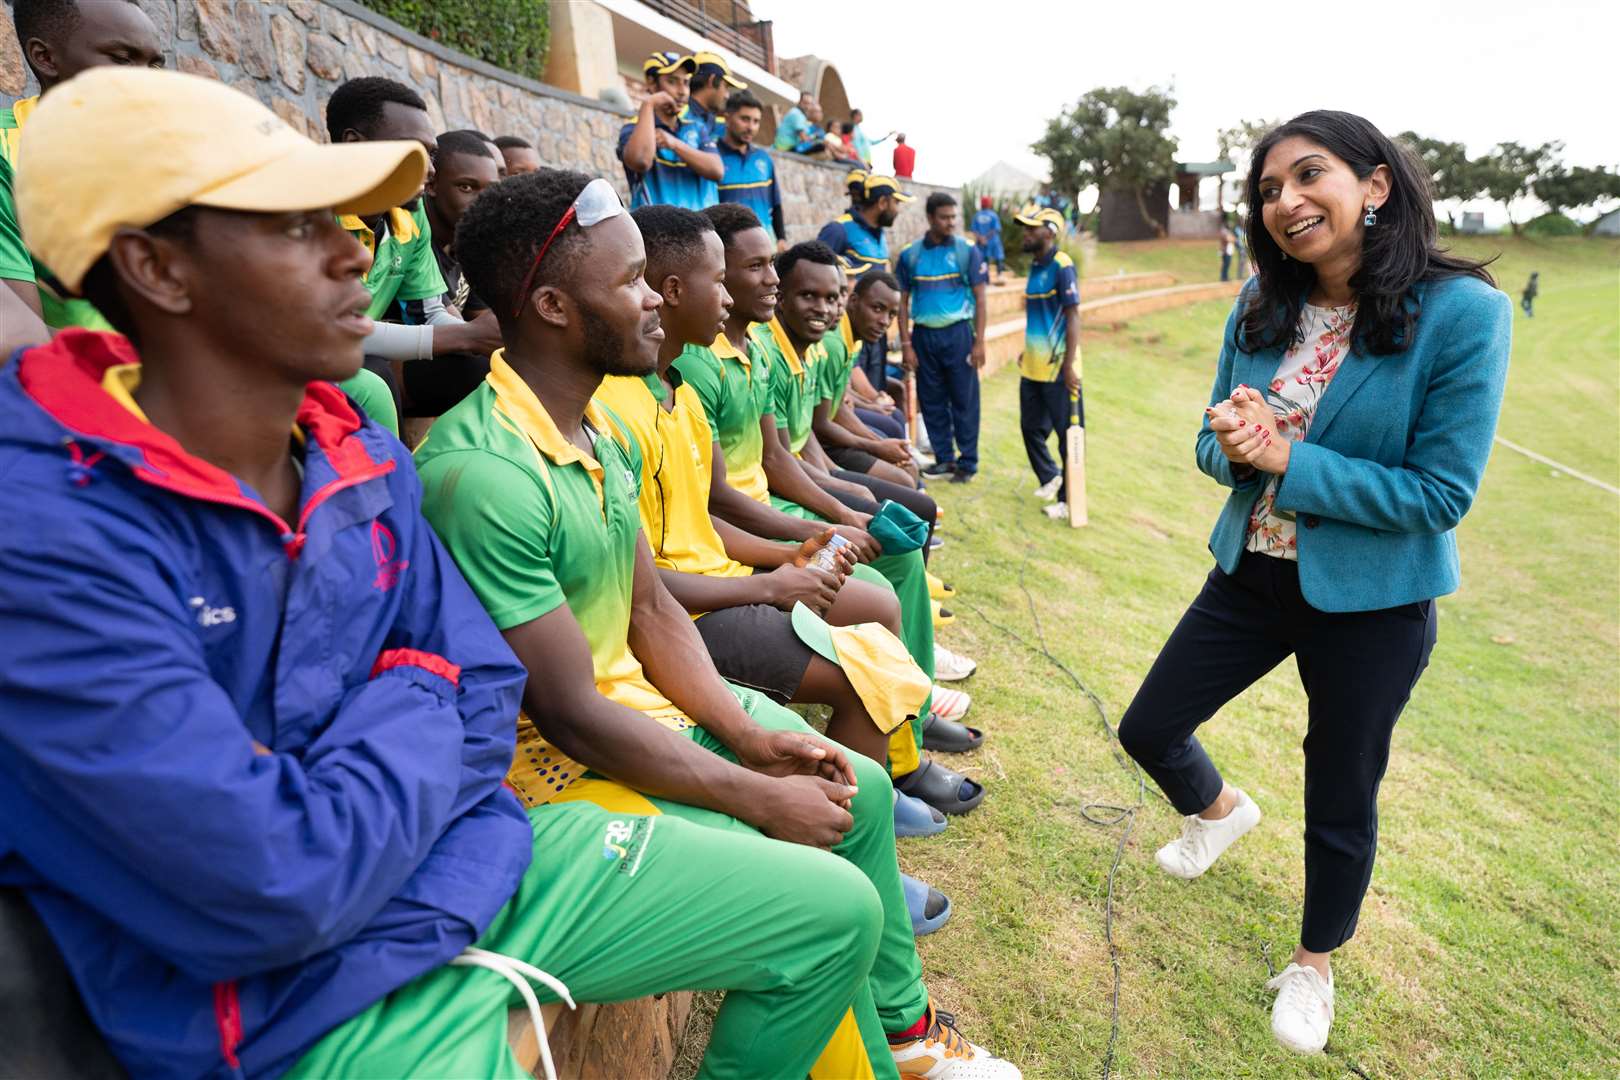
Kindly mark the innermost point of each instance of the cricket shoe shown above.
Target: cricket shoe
(1056, 511)
(942, 1053)
(1303, 1012)
(951, 666)
(1048, 491)
(1201, 842)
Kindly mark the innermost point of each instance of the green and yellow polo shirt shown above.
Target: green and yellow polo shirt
(676, 448)
(16, 264)
(837, 363)
(734, 388)
(402, 264)
(534, 523)
(794, 386)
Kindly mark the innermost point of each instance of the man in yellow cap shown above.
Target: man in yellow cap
(1049, 367)
(669, 155)
(59, 39)
(229, 627)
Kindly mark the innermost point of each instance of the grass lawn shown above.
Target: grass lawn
(1488, 945)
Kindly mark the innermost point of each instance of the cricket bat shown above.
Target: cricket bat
(911, 407)
(1075, 463)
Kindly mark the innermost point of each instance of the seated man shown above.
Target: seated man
(404, 280)
(850, 444)
(59, 39)
(768, 493)
(466, 164)
(710, 568)
(519, 154)
(533, 487)
(254, 724)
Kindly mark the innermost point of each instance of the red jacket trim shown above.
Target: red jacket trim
(430, 662)
(228, 1018)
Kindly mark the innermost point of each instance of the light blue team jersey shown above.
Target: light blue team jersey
(1053, 286)
(986, 223)
(750, 180)
(940, 279)
(791, 131)
(671, 180)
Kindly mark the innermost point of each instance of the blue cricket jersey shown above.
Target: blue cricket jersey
(860, 243)
(750, 180)
(940, 278)
(671, 180)
(1053, 286)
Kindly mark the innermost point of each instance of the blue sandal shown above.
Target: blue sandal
(920, 901)
(913, 817)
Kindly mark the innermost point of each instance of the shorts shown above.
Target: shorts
(852, 459)
(754, 646)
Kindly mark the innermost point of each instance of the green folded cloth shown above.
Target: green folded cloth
(897, 529)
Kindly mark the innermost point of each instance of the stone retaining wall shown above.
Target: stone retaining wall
(291, 55)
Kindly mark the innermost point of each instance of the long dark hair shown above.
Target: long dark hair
(1396, 254)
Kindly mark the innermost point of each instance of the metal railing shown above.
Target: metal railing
(749, 40)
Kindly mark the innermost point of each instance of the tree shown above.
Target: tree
(1572, 189)
(1113, 137)
(1236, 144)
(1456, 178)
(1509, 171)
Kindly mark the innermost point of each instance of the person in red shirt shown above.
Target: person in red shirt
(905, 158)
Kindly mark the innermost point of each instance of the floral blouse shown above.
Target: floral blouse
(1295, 391)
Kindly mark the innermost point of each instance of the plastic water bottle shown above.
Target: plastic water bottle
(827, 558)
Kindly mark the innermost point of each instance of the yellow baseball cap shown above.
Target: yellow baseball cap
(120, 147)
(886, 185)
(855, 176)
(1033, 215)
(715, 60)
(663, 63)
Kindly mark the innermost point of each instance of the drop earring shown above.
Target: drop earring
(1372, 216)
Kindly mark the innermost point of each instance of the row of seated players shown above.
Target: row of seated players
(310, 766)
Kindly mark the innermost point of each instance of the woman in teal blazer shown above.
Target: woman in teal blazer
(1352, 416)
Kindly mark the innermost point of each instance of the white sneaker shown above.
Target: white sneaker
(1049, 489)
(1304, 1009)
(951, 666)
(943, 1054)
(1056, 511)
(951, 704)
(1201, 842)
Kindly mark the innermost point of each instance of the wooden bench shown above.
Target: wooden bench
(596, 1042)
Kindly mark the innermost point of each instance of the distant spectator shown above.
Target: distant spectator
(1228, 246)
(1531, 289)
(750, 176)
(790, 131)
(669, 156)
(1241, 235)
(520, 156)
(814, 140)
(905, 158)
(987, 234)
(863, 145)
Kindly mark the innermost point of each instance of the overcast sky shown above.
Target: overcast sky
(968, 92)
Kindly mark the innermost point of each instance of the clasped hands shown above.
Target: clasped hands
(1246, 429)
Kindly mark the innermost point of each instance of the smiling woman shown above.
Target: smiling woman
(1349, 472)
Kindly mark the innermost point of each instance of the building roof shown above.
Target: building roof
(1204, 168)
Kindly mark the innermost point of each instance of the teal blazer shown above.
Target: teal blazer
(1393, 458)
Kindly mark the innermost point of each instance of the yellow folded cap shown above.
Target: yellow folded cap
(1033, 215)
(886, 678)
(886, 185)
(855, 176)
(120, 147)
(715, 60)
(662, 63)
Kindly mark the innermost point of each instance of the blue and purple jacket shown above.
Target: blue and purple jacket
(222, 908)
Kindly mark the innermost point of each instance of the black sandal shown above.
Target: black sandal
(941, 788)
(949, 736)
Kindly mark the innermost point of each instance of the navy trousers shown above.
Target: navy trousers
(1358, 668)
(948, 393)
(887, 425)
(1043, 408)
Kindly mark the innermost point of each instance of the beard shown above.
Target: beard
(886, 218)
(606, 349)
